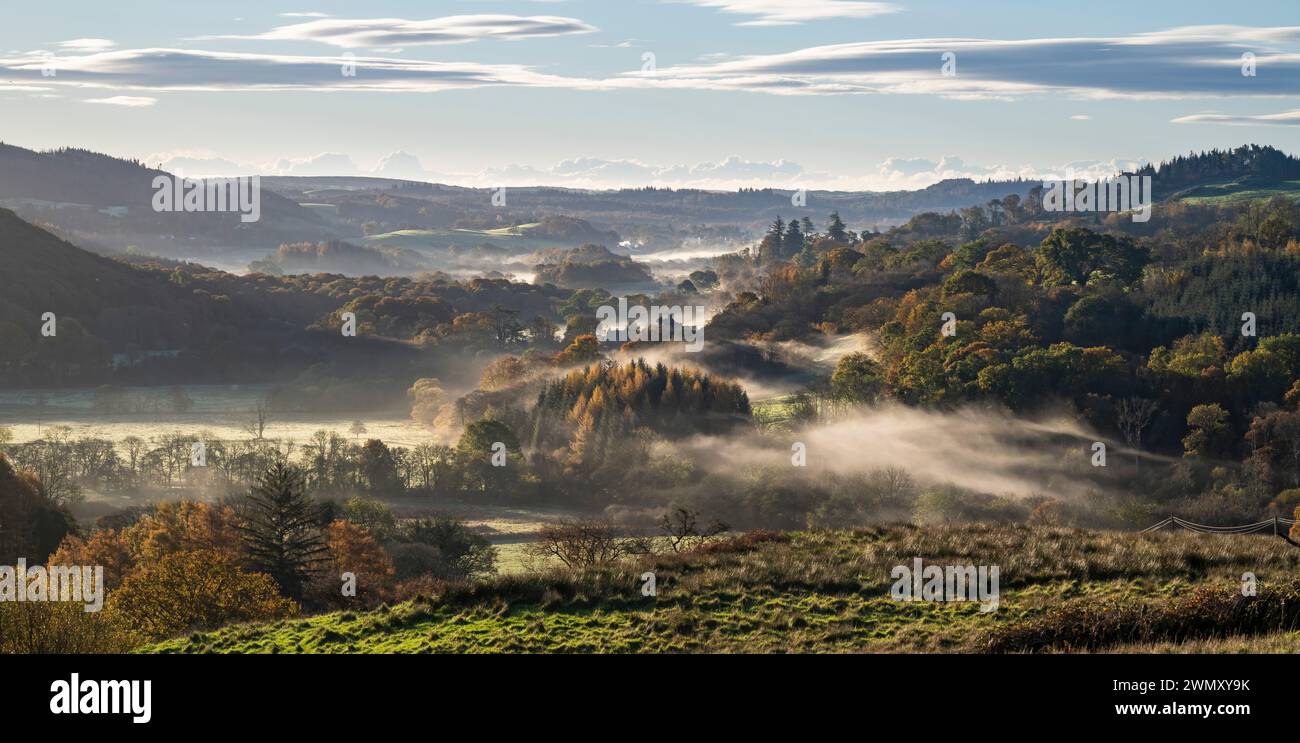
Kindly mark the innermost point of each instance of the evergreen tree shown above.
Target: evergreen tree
(770, 249)
(280, 529)
(793, 241)
(808, 229)
(835, 229)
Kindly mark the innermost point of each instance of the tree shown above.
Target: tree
(770, 249)
(584, 543)
(583, 348)
(1133, 415)
(379, 468)
(280, 529)
(352, 549)
(503, 373)
(427, 398)
(809, 231)
(357, 429)
(475, 451)
(32, 523)
(1074, 254)
(372, 515)
(196, 590)
(835, 229)
(506, 326)
(858, 379)
(792, 243)
(704, 278)
(461, 552)
(681, 526)
(1209, 431)
(256, 425)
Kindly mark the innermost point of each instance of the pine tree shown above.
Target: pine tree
(793, 242)
(835, 230)
(770, 249)
(280, 529)
(809, 231)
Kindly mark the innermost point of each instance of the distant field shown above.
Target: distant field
(509, 238)
(1228, 192)
(829, 592)
(219, 410)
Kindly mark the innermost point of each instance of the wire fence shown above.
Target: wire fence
(1276, 525)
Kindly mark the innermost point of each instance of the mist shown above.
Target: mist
(974, 449)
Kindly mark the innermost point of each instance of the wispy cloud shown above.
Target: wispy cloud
(391, 32)
(87, 45)
(1285, 118)
(789, 12)
(129, 101)
(193, 70)
(1180, 62)
(1176, 63)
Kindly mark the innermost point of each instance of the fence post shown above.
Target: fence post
(1275, 526)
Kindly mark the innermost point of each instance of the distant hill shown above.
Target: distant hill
(1249, 171)
(336, 256)
(108, 312)
(106, 202)
(661, 209)
(590, 267)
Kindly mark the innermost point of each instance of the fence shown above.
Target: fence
(1276, 525)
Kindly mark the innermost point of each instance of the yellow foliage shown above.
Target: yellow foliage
(201, 589)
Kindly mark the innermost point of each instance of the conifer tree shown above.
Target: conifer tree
(280, 529)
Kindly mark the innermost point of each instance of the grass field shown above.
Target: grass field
(829, 592)
(510, 238)
(1239, 191)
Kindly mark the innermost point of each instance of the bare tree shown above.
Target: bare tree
(256, 426)
(585, 543)
(358, 429)
(1133, 415)
(682, 527)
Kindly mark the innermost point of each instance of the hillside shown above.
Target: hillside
(1249, 171)
(106, 202)
(209, 325)
(829, 592)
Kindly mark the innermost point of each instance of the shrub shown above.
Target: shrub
(61, 627)
(1206, 612)
(202, 589)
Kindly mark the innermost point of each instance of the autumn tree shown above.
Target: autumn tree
(1209, 432)
(198, 589)
(858, 378)
(351, 549)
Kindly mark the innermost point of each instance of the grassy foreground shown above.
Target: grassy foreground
(829, 592)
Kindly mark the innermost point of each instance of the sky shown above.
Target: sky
(842, 94)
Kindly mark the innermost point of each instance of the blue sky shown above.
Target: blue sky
(790, 93)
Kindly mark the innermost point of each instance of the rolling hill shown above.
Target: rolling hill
(106, 307)
(105, 202)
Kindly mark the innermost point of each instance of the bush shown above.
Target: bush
(461, 552)
(202, 589)
(61, 627)
(1206, 612)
